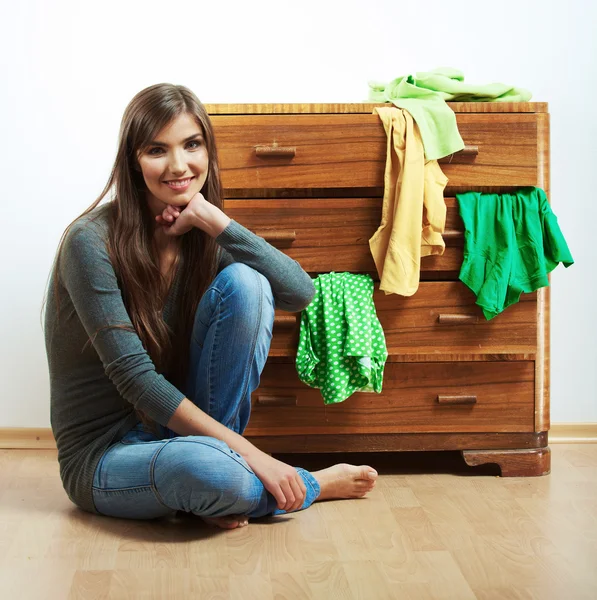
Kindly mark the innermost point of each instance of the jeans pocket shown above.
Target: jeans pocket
(139, 433)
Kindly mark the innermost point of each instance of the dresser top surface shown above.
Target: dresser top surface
(367, 108)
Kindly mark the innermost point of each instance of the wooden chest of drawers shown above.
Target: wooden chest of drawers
(309, 179)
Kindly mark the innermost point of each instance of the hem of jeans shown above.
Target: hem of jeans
(315, 487)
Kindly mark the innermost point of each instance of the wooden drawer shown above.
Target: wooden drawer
(440, 322)
(332, 234)
(259, 152)
(417, 398)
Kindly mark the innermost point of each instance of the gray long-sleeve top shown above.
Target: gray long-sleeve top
(96, 386)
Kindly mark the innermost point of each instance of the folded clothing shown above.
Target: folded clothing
(342, 347)
(512, 242)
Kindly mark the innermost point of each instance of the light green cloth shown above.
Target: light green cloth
(342, 348)
(424, 96)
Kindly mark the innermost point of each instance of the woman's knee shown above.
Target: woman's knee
(204, 476)
(246, 280)
(250, 291)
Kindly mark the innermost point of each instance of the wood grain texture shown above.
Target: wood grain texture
(431, 529)
(408, 403)
(560, 433)
(27, 437)
(543, 385)
(513, 463)
(413, 326)
(573, 433)
(542, 418)
(332, 234)
(349, 150)
(395, 442)
(366, 107)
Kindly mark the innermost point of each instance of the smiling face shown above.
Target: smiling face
(174, 164)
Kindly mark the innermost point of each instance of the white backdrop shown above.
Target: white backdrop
(69, 68)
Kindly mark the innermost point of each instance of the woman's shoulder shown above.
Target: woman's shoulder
(88, 235)
(92, 225)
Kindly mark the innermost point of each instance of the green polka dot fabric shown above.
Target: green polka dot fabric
(342, 347)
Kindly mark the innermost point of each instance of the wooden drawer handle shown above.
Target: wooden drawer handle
(284, 321)
(272, 235)
(263, 400)
(275, 151)
(468, 152)
(452, 235)
(457, 399)
(457, 319)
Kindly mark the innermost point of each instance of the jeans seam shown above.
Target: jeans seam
(121, 489)
(210, 378)
(219, 293)
(152, 483)
(253, 344)
(215, 447)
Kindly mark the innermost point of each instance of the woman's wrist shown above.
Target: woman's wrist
(212, 220)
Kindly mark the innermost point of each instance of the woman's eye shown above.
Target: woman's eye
(194, 144)
(154, 151)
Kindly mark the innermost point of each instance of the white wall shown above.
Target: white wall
(69, 68)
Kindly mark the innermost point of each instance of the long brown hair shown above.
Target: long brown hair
(130, 239)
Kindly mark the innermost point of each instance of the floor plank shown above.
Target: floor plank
(431, 529)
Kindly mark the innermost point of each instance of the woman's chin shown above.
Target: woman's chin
(180, 200)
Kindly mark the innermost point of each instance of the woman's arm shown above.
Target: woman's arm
(87, 274)
(292, 288)
(278, 478)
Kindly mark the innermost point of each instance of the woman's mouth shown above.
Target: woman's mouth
(179, 185)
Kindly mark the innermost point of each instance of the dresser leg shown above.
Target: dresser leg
(513, 463)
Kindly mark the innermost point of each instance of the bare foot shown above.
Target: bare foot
(227, 522)
(345, 481)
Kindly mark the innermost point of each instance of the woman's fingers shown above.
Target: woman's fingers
(168, 216)
(299, 490)
(172, 210)
(278, 494)
(161, 221)
(288, 494)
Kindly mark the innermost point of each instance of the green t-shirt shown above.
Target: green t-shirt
(512, 242)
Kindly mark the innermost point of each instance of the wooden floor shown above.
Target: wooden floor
(430, 529)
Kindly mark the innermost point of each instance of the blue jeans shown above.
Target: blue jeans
(144, 476)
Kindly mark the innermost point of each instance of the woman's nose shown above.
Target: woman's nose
(177, 163)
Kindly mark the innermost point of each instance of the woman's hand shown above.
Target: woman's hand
(168, 216)
(280, 480)
(177, 220)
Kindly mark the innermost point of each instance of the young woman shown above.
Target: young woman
(158, 325)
